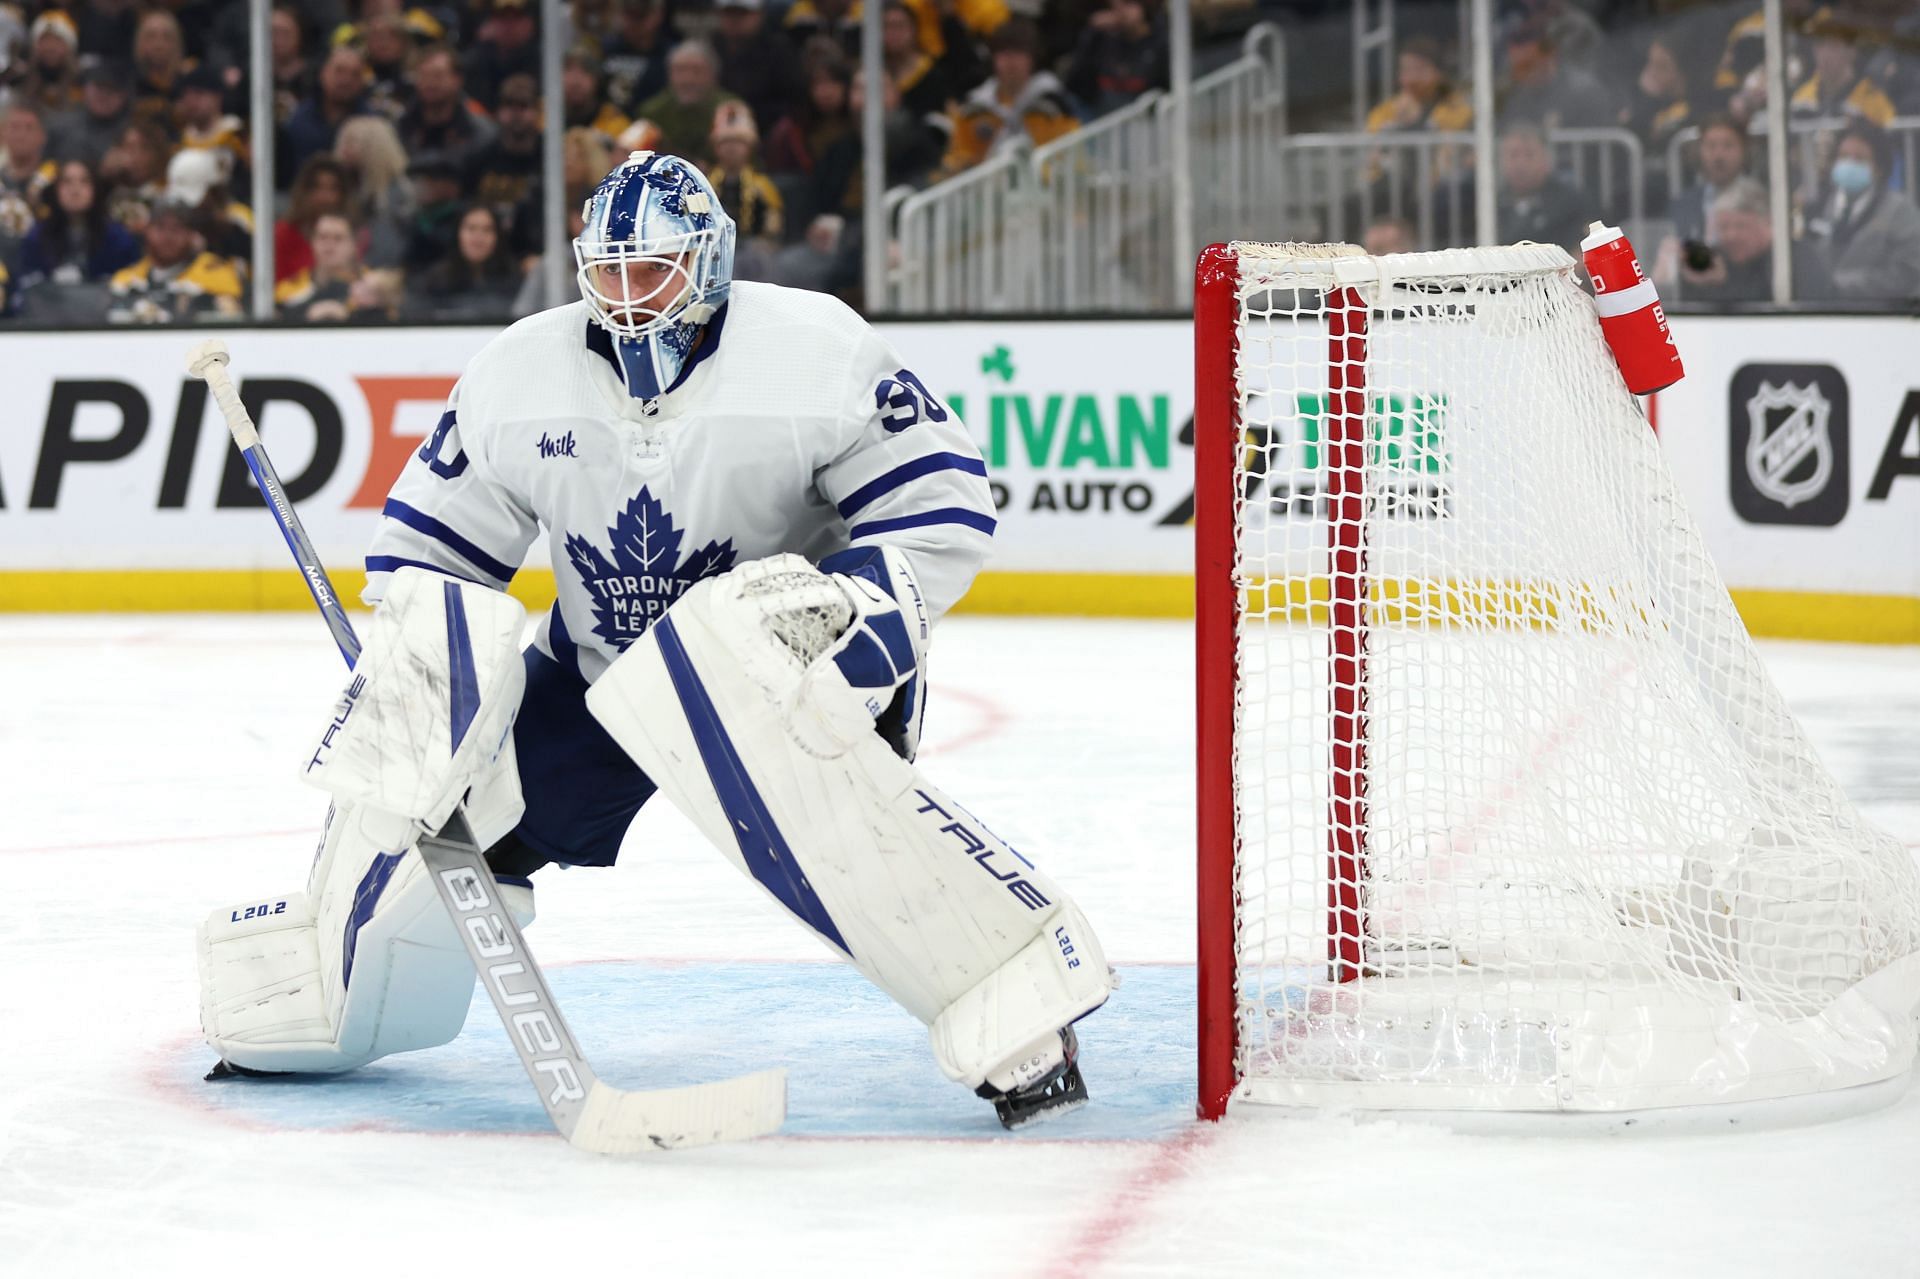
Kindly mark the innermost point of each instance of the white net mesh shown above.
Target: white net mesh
(1521, 820)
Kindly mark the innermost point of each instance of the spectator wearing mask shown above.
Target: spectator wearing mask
(159, 60)
(205, 126)
(505, 49)
(1540, 87)
(316, 122)
(1535, 202)
(585, 99)
(87, 132)
(1865, 240)
(478, 281)
(197, 180)
(1739, 268)
(1121, 55)
(747, 194)
(69, 255)
(926, 90)
(634, 57)
(320, 292)
(379, 197)
(442, 121)
(1723, 159)
(53, 72)
(321, 187)
(134, 172)
(26, 174)
(757, 64)
(1018, 100)
(176, 280)
(505, 173)
(1838, 85)
(684, 111)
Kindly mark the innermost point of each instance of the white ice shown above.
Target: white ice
(149, 776)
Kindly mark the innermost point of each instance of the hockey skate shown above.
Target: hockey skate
(1040, 1085)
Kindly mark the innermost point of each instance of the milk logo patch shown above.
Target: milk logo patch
(1788, 436)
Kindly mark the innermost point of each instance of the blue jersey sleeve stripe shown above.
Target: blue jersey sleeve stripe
(390, 563)
(945, 515)
(931, 464)
(421, 522)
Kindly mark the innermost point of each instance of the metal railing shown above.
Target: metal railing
(1103, 214)
(1086, 222)
(1238, 117)
(1333, 184)
(964, 243)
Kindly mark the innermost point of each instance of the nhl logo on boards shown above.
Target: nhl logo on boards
(1788, 444)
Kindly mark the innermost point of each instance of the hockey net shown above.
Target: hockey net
(1499, 807)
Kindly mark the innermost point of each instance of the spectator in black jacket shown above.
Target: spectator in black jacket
(634, 57)
(506, 48)
(758, 65)
(1541, 87)
(440, 122)
(1122, 53)
(1535, 202)
(505, 174)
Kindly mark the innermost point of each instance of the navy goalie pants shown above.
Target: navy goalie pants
(582, 790)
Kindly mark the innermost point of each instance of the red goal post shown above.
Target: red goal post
(1494, 793)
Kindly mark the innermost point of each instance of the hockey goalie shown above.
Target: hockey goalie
(755, 514)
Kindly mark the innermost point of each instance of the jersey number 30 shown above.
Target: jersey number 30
(430, 451)
(903, 401)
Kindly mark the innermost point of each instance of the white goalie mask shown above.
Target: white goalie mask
(655, 261)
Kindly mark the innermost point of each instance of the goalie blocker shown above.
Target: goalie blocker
(751, 705)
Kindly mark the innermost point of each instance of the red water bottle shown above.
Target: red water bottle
(1631, 317)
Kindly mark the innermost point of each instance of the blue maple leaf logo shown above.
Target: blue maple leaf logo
(674, 185)
(645, 575)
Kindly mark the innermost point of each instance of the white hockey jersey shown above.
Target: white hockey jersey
(798, 429)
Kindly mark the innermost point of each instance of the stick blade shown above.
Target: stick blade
(616, 1122)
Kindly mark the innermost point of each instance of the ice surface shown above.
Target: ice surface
(149, 776)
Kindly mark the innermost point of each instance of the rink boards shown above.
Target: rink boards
(1795, 441)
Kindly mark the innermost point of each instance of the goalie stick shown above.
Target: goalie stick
(588, 1112)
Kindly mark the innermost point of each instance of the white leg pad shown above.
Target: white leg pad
(365, 964)
(773, 756)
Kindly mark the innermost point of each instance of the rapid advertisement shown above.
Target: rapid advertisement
(1796, 441)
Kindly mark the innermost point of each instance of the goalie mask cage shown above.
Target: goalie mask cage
(1498, 808)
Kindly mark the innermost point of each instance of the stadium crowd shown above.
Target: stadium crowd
(1852, 67)
(408, 138)
(407, 164)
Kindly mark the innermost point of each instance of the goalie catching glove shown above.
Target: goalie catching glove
(752, 706)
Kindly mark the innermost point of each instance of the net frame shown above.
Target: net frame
(1870, 1013)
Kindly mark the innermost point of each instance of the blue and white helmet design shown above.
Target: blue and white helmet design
(655, 262)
